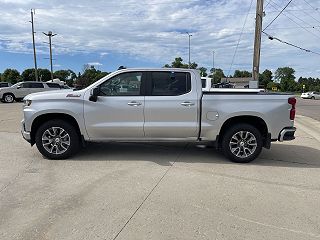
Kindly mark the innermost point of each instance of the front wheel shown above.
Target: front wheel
(8, 98)
(242, 143)
(313, 98)
(57, 139)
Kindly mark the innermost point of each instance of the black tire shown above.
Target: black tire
(246, 148)
(313, 98)
(55, 126)
(8, 98)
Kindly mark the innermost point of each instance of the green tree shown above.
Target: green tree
(67, 76)
(271, 85)
(193, 65)
(90, 76)
(29, 75)
(265, 78)
(241, 74)
(177, 63)
(285, 76)
(203, 71)
(11, 76)
(216, 75)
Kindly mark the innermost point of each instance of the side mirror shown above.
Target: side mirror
(94, 94)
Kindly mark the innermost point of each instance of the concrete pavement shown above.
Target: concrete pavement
(158, 191)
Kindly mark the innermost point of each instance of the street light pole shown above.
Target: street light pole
(189, 35)
(50, 35)
(212, 62)
(34, 46)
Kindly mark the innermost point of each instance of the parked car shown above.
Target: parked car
(310, 95)
(158, 105)
(19, 90)
(4, 84)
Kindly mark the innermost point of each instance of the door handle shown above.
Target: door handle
(134, 104)
(187, 104)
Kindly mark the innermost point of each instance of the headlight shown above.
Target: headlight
(27, 103)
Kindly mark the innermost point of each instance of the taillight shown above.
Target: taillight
(292, 101)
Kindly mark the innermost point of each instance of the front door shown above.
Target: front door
(118, 111)
(171, 106)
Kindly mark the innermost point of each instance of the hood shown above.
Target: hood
(5, 88)
(56, 94)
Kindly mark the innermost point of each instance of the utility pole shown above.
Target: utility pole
(189, 35)
(257, 43)
(34, 45)
(50, 35)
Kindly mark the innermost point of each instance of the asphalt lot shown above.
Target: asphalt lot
(158, 191)
(308, 107)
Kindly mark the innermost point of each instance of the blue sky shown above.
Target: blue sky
(151, 33)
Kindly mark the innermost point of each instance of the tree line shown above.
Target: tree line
(283, 79)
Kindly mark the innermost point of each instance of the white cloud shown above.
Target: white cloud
(152, 30)
(95, 64)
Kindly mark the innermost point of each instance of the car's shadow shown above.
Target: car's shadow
(280, 154)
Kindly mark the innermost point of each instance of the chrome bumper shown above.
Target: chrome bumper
(26, 135)
(287, 134)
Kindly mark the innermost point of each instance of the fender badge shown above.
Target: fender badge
(73, 95)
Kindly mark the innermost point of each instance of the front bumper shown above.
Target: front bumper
(26, 135)
(287, 134)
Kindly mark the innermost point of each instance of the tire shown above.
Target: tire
(242, 143)
(8, 98)
(57, 139)
(313, 98)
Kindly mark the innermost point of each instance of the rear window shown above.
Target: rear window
(170, 83)
(4, 85)
(36, 85)
(53, 85)
(203, 82)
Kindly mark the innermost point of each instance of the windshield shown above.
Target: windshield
(17, 84)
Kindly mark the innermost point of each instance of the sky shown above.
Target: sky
(108, 34)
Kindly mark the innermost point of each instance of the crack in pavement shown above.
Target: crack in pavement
(155, 186)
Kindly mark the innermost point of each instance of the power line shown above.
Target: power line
(273, 3)
(306, 13)
(290, 44)
(311, 5)
(244, 24)
(277, 15)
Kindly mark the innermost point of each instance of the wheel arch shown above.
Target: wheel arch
(255, 121)
(39, 120)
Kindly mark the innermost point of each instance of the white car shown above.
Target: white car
(310, 95)
(19, 90)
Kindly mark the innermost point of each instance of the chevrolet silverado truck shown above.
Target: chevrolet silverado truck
(157, 105)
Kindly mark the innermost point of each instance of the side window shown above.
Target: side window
(53, 85)
(203, 82)
(36, 85)
(170, 83)
(25, 85)
(124, 84)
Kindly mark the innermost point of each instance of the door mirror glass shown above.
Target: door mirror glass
(94, 94)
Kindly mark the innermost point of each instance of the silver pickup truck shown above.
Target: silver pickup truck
(157, 105)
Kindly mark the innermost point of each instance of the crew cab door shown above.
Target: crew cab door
(118, 111)
(22, 90)
(171, 106)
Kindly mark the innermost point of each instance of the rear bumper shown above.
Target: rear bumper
(287, 134)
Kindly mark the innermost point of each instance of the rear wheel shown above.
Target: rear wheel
(313, 98)
(8, 98)
(57, 139)
(242, 143)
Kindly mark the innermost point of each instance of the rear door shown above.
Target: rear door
(36, 87)
(171, 106)
(118, 111)
(23, 90)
